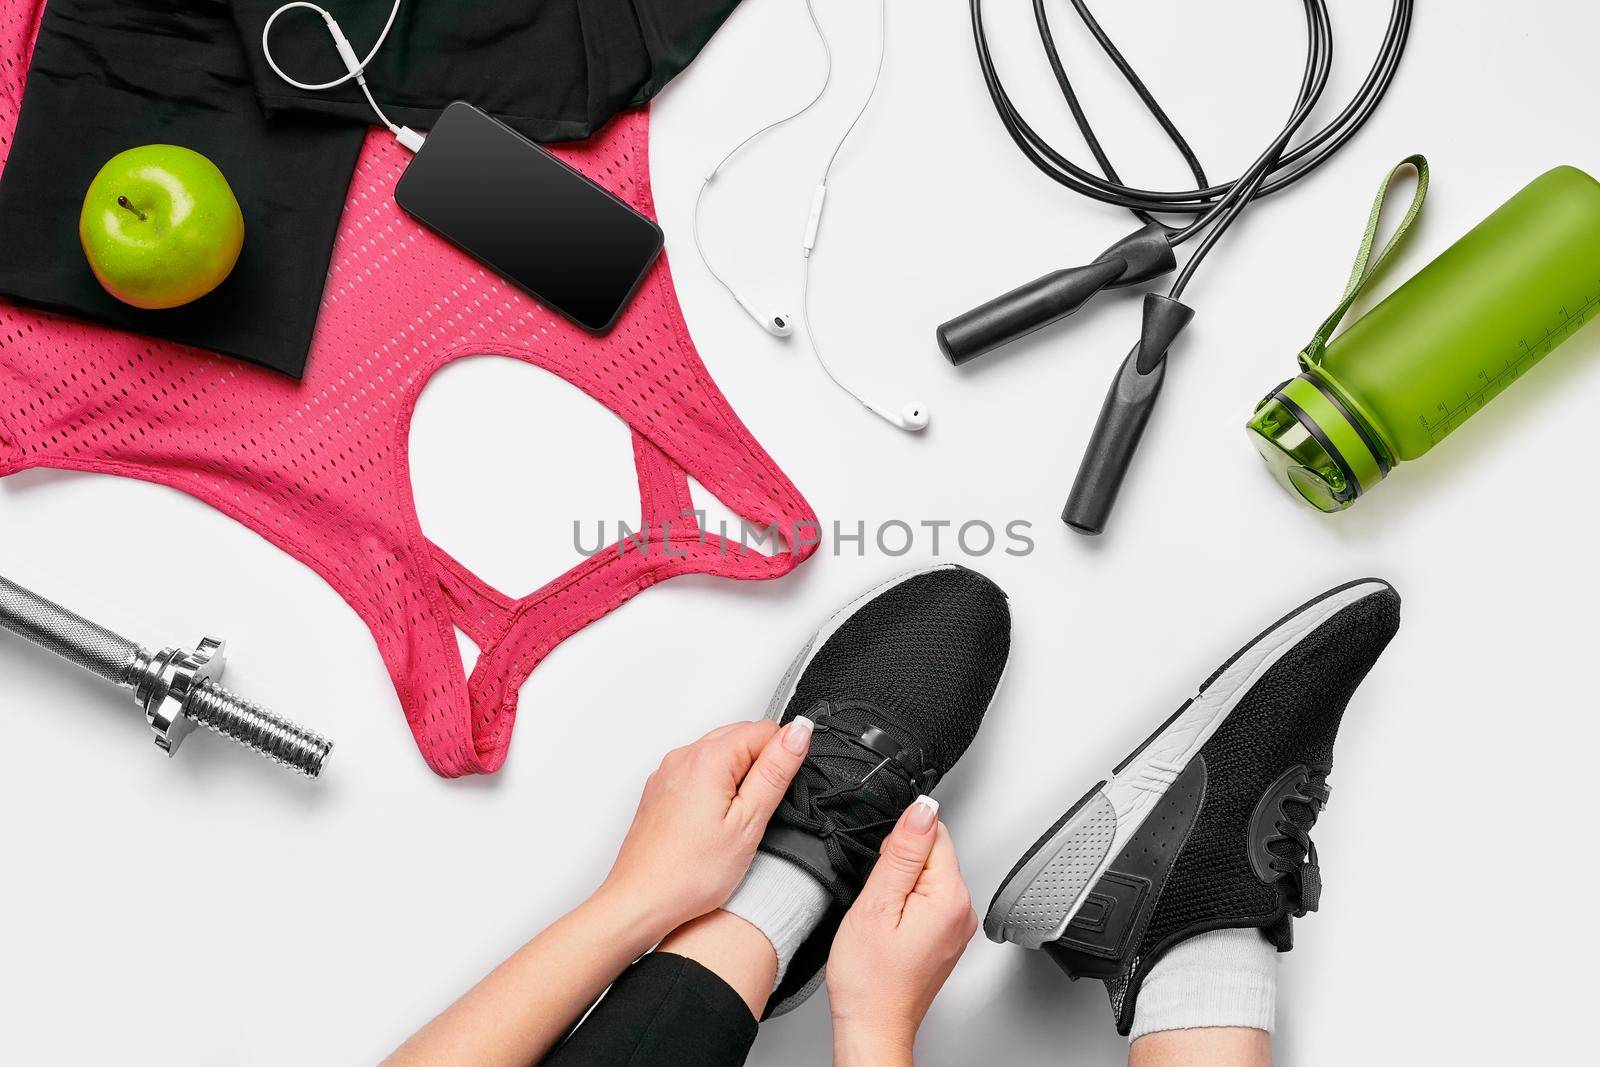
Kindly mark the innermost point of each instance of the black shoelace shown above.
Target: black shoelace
(850, 817)
(1299, 866)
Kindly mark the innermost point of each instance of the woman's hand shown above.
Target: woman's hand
(702, 814)
(695, 832)
(898, 942)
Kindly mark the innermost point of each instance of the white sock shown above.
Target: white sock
(782, 901)
(1220, 978)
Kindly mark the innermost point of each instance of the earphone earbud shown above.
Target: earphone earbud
(777, 323)
(912, 418)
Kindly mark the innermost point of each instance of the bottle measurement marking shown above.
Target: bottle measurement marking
(1492, 384)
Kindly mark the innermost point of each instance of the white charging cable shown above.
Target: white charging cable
(355, 68)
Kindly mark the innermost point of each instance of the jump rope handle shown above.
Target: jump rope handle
(1124, 415)
(1139, 257)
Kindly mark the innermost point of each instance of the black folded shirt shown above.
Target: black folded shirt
(108, 75)
(557, 70)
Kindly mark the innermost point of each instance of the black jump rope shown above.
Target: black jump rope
(1149, 252)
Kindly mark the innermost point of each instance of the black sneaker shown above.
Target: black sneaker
(897, 683)
(1206, 826)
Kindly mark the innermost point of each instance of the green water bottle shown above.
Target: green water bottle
(1448, 341)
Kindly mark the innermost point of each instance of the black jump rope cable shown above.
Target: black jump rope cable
(1149, 253)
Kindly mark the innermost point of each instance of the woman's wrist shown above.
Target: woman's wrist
(876, 1045)
(638, 919)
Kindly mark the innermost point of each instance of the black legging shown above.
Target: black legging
(665, 1011)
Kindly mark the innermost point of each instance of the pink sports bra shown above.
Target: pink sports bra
(320, 469)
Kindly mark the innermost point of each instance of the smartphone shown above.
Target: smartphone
(529, 217)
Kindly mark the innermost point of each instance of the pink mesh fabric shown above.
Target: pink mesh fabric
(320, 468)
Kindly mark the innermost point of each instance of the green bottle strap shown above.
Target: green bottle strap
(1367, 267)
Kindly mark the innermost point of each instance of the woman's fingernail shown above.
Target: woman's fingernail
(924, 813)
(797, 735)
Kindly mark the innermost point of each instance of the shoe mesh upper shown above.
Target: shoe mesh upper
(920, 661)
(929, 651)
(1290, 716)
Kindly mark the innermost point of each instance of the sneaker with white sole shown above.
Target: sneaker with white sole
(1206, 825)
(897, 683)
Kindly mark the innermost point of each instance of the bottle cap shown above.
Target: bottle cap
(1315, 446)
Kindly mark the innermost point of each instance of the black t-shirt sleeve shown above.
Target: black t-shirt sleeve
(554, 69)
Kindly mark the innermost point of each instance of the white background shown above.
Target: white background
(215, 909)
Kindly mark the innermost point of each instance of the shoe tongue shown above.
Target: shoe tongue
(861, 743)
(859, 720)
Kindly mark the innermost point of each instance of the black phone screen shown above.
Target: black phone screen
(533, 219)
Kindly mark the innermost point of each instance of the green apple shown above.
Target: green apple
(160, 226)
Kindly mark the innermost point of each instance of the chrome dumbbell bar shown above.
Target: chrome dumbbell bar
(176, 689)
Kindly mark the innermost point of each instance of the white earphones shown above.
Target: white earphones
(912, 417)
(777, 323)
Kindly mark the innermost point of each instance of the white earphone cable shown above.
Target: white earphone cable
(705, 185)
(815, 224)
(877, 76)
